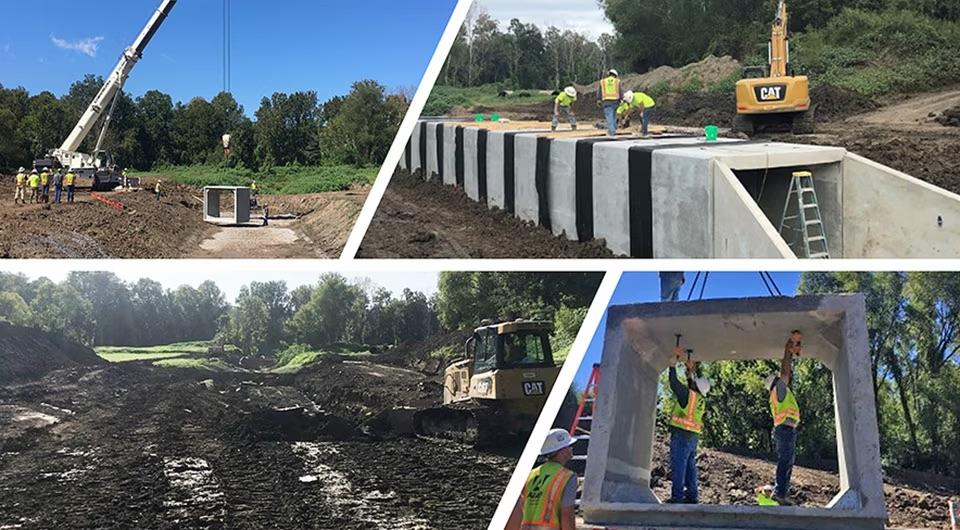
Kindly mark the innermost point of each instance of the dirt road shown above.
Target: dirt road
(172, 227)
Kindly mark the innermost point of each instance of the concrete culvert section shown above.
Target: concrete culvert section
(637, 349)
(683, 197)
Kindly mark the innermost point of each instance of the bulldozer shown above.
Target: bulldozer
(498, 389)
(770, 97)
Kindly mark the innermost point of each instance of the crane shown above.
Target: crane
(98, 165)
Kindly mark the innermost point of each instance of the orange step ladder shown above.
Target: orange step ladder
(583, 422)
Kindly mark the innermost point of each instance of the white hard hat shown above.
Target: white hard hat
(572, 92)
(768, 384)
(557, 439)
(628, 96)
(614, 72)
(21, 170)
(703, 385)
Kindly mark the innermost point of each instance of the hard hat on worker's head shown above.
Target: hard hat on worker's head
(613, 72)
(628, 96)
(21, 170)
(703, 385)
(768, 383)
(34, 170)
(570, 91)
(557, 439)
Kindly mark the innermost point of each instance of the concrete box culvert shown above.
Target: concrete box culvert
(240, 199)
(681, 197)
(637, 348)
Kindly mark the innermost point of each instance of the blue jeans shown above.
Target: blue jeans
(69, 193)
(645, 121)
(610, 111)
(567, 114)
(785, 441)
(57, 191)
(683, 466)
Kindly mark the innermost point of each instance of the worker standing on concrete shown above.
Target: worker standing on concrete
(45, 185)
(57, 185)
(564, 102)
(786, 418)
(550, 494)
(640, 102)
(156, 189)
(20, 192)
(611, 92)
(686, 424)
(68, 180)
(34, 181)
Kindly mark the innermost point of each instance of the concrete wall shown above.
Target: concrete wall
(741, 230)
(637, 349)
(891, 214)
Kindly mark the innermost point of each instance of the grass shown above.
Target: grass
(444, 98)
(119, 354)
(282, 180)
(297, 356)
(210, 365)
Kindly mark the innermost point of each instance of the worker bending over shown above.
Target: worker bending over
(564, 103)
(549, 496)
(19, 194)
(685, 411)
(639, 102)
(611, 92)
(786, 418)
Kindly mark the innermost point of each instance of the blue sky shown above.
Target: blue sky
(639, 287)
(280, 46)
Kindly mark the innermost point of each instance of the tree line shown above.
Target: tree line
(99, 309)
(152, 131)
(913, 324)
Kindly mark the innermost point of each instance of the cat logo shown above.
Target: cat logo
(771, 93)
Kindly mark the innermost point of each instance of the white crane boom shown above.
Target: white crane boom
(67, 153)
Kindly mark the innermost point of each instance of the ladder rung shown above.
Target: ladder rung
(818, 255)
(814, 222)
(810, 205)
(582, 437)
(816, 238)
(579, 457)
(808, 190)
(586, 418)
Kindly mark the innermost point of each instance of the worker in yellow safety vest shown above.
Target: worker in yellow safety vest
(610, 95)
(549, 497)
(34, 181)
(68, 181)
(640, 102)
(564, 103)
(786, 418)
(156, 189)
(45, 185)
(685, 410)
(19, 194)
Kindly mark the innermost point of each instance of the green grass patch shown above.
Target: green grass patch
(119, 354)
(211, 365)
(297, 356)
(444, 98)
(281, 180)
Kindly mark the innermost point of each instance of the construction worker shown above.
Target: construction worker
(19, 192)
(68, 180)
(786, 418)
(549, 496)
(45, 185)
(34, 181)
(564, 102)
(57, 185)
(610, 94)
(685, 410)
(156, 189)
(640, 102)
(125, 182)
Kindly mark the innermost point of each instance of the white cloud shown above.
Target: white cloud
(584, 16)
(86, 46)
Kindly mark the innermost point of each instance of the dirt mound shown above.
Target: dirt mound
(419, 219)
(31, 353)
(835, 103)
(710, 70)
(949, 117)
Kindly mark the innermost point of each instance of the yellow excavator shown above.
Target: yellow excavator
(498, 389)
(771, 97)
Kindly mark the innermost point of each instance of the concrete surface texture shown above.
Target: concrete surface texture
(637, 349)
(240, 199)
(682, 197)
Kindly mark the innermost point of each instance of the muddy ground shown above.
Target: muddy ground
(136, 446)
(172, 227)
(417, 219)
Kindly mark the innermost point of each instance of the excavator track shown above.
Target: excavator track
(468, 423)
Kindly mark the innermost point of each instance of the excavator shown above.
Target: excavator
(498, 388)
(99, 166)
(771, 97)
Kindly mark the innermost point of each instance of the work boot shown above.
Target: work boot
(783, 501)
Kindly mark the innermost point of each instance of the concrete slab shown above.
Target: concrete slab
(240, 215)
(637, 346)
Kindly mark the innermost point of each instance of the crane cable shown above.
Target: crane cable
(765, 277)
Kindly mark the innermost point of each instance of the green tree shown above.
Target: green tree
(14, 310)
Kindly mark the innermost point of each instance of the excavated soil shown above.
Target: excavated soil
(172, 227)
(949, 117)
(418, 219)
(27, 353)
(136, 446)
